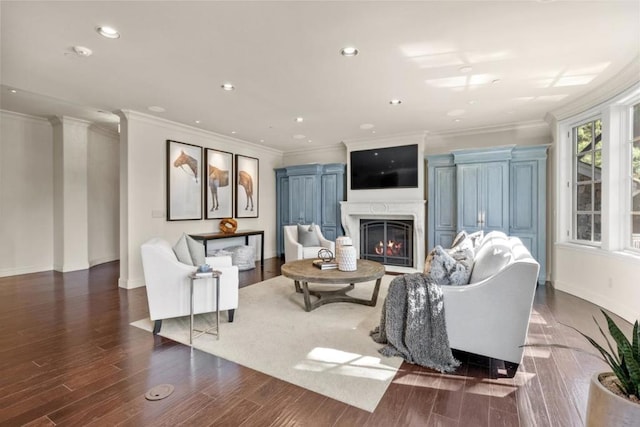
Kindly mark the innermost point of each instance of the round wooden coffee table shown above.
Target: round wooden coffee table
(304, 272)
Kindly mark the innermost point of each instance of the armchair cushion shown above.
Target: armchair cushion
(189, 251)
(307, 235)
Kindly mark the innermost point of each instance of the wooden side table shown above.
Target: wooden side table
(215, 275)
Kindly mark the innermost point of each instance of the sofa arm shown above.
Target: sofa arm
(219, 261)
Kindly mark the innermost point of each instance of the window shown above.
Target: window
(598, 176)
(587, 181)
(635, 178)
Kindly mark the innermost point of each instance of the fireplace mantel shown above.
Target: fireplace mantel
(353, 212)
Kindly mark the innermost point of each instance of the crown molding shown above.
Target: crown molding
(402, 138)
(104, 131)
(37, 119)
(621, 82)
(323, 149)
(66, 120)
(168, 124)
(532, 124)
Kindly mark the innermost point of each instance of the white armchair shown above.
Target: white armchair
(490, 315)
(294, 250)
(167, 284)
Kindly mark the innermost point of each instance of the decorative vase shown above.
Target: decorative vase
(606, 409)
(347, 258)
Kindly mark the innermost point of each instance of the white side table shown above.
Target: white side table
(214, 330)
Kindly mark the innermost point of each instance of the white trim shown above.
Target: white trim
(72, 121)
(601, 300)
(531, 124)
(131, 283)
(6, 272)
(375, 141)
(13, 114)
(104, 131)
(102, 260)
(335, 147)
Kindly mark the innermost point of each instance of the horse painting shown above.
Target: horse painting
(245, 180)
(217, 178)
(185, 159)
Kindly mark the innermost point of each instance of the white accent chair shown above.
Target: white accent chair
(490, 315)
(293, 250)
(168, 283)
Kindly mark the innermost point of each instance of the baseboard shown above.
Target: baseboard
(6, 272)
(130, 283)
(627, 313)
(103, 260)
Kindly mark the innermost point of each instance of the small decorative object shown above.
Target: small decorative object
(204, 270)
(325, 265)
(228, 225)
(347, 258)
(325, 255)
(343, 240)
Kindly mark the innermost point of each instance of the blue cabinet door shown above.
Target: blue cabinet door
(303, 199)
(483, 196)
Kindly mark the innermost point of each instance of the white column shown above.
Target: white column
(70, 240)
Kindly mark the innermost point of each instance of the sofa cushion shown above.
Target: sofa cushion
(449, 267)
(189, 251)
(307, 235)
(492, 256)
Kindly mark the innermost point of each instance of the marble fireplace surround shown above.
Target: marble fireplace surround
(353, 212)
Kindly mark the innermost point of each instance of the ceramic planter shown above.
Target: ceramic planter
(607, 409)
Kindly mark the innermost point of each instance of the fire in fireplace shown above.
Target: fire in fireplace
(387, 241)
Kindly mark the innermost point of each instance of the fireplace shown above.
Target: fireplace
(389, 242)
(398, 211)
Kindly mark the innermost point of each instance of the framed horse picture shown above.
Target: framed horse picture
(184, 183)
(218, 179)
(247, 187)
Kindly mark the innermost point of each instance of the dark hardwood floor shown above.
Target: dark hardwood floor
(69, 357)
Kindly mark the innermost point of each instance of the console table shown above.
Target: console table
(205, 237)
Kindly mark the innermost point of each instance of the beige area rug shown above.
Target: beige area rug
(327, 350)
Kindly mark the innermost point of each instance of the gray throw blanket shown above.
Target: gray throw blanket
(412, 324)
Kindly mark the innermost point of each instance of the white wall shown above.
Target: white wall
(145, 163)
(331, 154)
(534, 133)
(610, 280)
(26, 194)
(103, 167)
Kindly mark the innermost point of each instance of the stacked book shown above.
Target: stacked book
(325, 265)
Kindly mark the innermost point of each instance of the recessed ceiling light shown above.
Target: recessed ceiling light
(13, 91)
(457, 120)
(108, 32)
(156, 109)
(349, 51)
(197, 122)
(311, 140)
(82, 51)
(299, 119)
(299, 136)
(395, 102)
(373, 131)
(465, 69)
(262, 140)
(227, 86)
(233, 132)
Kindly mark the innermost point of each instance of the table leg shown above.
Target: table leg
(262, 251)
(217, 307)
(307, 300)
(191, 313)
(296, 283)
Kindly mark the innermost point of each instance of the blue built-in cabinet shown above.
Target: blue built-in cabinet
(309, 193)
(500, 188)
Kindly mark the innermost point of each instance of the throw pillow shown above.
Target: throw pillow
(444, 269)
(307, 236)
(189, 251)
(460, 237)
(476, 238)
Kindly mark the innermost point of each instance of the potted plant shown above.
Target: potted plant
(614, 397)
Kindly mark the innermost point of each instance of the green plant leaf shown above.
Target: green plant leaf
(632, 365)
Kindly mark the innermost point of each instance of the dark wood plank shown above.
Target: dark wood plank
(68, 356)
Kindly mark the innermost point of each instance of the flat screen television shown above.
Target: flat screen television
(392, 167)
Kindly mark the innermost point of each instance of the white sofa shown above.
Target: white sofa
(167, 284)
(490, 315)
(293, 250)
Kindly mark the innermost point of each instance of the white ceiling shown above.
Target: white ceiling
(283, 58)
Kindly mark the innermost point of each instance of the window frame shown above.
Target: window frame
(616, 174)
